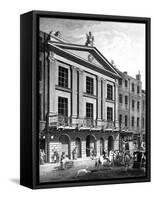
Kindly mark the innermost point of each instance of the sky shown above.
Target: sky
(122, 42)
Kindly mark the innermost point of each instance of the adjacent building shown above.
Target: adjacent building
(131, 115)
(143, 121)
(78, 98)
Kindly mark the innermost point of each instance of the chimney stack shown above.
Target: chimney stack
(138, 76)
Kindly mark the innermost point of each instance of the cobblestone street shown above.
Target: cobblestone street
(52, 172)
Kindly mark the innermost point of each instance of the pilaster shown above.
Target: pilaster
(74, 94)
(52, 83)
(81, 106)
(99, 101)
(83, 150)
(116, 104)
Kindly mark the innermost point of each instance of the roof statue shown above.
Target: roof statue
(90, 39)
(54, 33)
(58, 34)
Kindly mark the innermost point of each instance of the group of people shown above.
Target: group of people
(113, 158)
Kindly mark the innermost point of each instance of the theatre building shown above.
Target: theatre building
(78, 95)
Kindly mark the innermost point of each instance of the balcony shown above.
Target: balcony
(65, 122)
(109, 125)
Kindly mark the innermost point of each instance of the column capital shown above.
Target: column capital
(104, 81)
(73, 67)
(79, 70)
(51, 57)
(99, 78)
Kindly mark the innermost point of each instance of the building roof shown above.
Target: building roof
(84, 55)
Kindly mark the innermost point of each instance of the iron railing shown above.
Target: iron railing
(65, 121)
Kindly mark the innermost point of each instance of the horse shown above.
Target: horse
(102, 161)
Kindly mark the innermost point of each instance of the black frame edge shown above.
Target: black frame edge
(25, 99)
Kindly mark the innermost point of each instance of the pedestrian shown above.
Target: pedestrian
(41, 157)
(127, 161)
(62, 160)
(74, 154)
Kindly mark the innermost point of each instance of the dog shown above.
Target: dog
(82, 172)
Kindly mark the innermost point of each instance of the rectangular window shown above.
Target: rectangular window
(143, 122)
(126, 83)
(120, 82)
(138, 89)
(126, 100)
(62, 106)
(126, 119)
(109, 114)
(89, 85)
(89, 110)
(133, 104)
(132, 121)
(120, 120)
(143, 105)
(120, 98)
(132, 87)
(138, 106)
(63, 77)
(109, 92)
(138, 121)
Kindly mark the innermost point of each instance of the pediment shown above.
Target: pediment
(88, 54)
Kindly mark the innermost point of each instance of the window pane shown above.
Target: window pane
(125, 83)
(62, 106)
(63, 77)
(89, 110)
(89, 85)
(109, 114)
(109, 92)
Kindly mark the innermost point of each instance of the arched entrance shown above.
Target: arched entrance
(90, 144)
(42, 144)
(110, 144)
(78, 147)
(101, 146)
(65, 144)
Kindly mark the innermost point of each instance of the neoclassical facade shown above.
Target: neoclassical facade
(78, 96)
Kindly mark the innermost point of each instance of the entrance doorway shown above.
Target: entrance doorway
(90, 145)
(78, 147)
(65, 145)
(110, 144)
(42, 144)
(101, 146)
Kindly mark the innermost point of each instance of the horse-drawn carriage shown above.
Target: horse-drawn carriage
(139, 158)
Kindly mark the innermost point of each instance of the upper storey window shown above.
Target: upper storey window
(63, 77)
(120, 82)
(132, 87)
(126, 83)
(89, 85)
(109, 92)
(138, 89)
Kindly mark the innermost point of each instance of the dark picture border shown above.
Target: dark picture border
(35, 97)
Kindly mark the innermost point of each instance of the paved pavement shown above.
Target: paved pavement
(52, 172)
